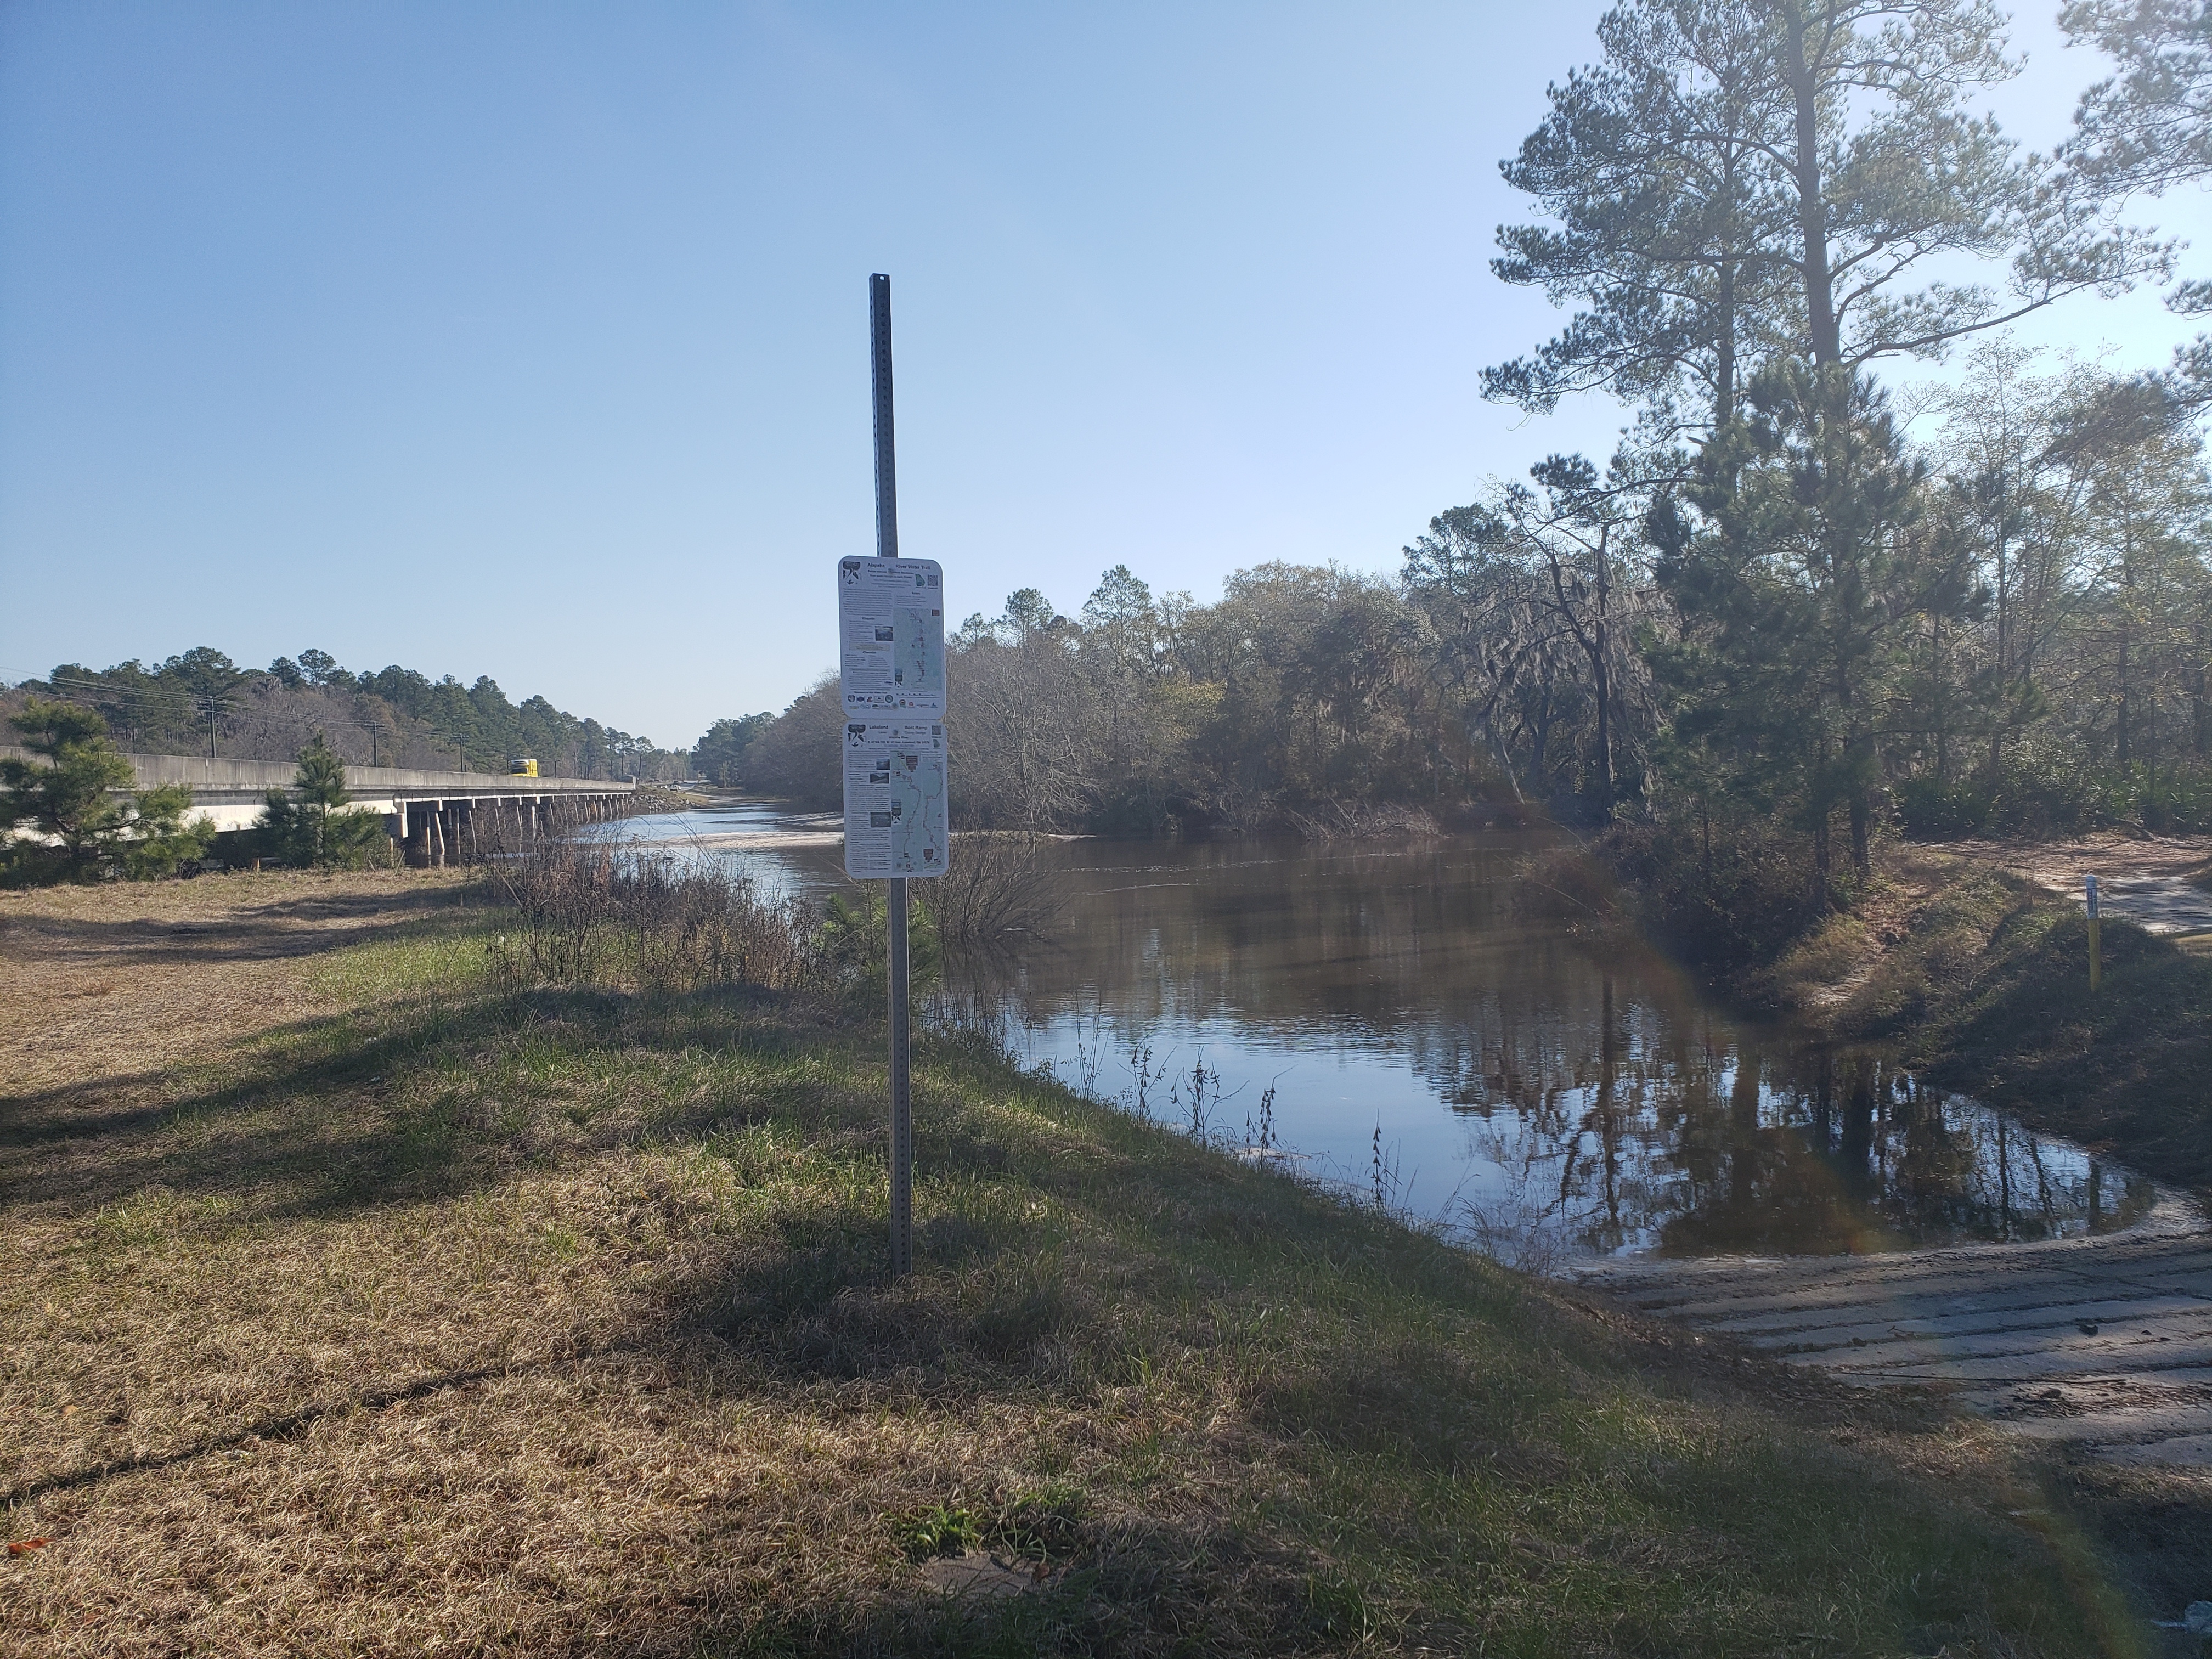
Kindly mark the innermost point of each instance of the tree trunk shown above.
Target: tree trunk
(1823, 334)
(2004, 630)
(1602, 687)
(1725, 368)
(2120, 731)
(1943, 704)
(1600, 668)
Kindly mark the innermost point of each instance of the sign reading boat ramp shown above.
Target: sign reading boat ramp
(891, 638)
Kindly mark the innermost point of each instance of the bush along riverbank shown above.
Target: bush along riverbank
(411, 1297)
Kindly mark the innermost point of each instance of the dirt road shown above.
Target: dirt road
(2152, 881)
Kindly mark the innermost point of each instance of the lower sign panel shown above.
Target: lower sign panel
(896, 823)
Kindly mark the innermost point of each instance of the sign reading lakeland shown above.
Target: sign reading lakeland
(890, 636)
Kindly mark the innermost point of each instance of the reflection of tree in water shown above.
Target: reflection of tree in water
(1647, 1132)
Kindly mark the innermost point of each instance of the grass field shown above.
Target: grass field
(362, 1300)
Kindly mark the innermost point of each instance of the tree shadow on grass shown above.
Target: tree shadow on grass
(2125, 1067)
(278, 927)
(399, 1104)
(990, 1328)
(282, 1425)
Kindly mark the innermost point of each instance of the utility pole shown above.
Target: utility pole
(880, 336)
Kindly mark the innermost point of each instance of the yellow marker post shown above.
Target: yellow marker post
(2096, 955)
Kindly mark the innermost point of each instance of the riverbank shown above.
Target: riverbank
(363, 1300)
(1977, 970)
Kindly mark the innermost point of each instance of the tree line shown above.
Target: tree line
(200, 702)
(1786, 604)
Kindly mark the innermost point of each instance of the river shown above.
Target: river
(1383, 1016)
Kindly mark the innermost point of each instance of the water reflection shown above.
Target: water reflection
(1548, 1099)
(1700, 1140)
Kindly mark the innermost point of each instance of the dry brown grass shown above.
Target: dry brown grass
(100, 981)
(361, 1303)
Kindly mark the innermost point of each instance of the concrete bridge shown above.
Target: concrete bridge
(433, 816)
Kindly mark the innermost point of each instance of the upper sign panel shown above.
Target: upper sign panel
(890, 634)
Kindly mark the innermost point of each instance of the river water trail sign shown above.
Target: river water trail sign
(891, 638)
(890, 651)
(896, 824)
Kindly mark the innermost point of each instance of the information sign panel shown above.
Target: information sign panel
(890, 636)
(895, 818)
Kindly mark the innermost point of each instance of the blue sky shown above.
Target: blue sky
(531, 339)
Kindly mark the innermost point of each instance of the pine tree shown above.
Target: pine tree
(72, 791)
(1800, 591)
(1743, 178)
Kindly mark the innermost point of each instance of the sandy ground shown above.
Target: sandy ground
(2153, 881)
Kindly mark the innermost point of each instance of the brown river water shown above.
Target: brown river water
(1382, 1016)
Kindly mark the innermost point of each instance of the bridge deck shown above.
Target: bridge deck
(231, 791)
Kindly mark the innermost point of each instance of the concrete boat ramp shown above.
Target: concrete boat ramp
(2102, 1342)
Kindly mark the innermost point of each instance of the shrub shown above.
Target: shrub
(1722, 894)
(2171, 800)
(855, 937)
(81, 824)
(164, 839)
(301, 833)
(993, 887)
(1932, 809)
(602, 912)
(2040, 790)
(2039, 793)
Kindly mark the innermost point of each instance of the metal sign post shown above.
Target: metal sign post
(891, 646)
(2096, 953)
(879, 337)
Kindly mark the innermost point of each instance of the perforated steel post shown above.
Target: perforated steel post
(880, 336)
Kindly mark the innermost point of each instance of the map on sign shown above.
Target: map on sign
(896, 823)
(891, 638)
